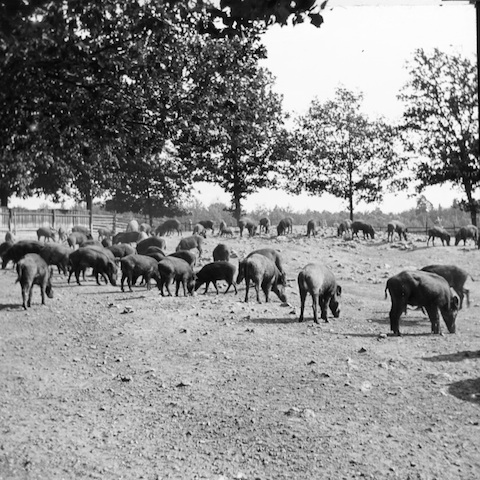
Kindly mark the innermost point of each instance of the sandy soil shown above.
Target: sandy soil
(111, 385)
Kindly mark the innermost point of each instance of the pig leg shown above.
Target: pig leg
(247, 287)
(323, 302)
(25, 295)
(234, 286)
(395, 314)
(42, 292)
(303, 296)
(30, 291)
(315, 303)
(432, 312)
(467, 294)
(206, 287)
(123, 282)
(215, 285)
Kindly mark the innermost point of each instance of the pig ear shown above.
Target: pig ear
(339, 290)
(455, 299)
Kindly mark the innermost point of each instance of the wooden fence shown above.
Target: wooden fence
(24, 223)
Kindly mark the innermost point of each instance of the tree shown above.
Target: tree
(441, 122)
(233, 118)
(336, 149)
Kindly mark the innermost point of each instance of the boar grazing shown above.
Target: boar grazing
(129, 237)
(438, 232)
(168, 227)
(320, 283)
(199, 230)
(56, 254)
(33, 270)
(264, 225)
(264, 274)
(464, 233)
(151, 242)
(101, 263)
(212, 272)
(224, 231)
(186, 255)
(422, 289)
(189, 243)
(121, 250)
(208, 225)
(135, 266)
(394, 226)
(19, 250)
(77, 238)
(62, 234)
(276, 258)
(456, 278)
(366, 228)
(221, 253)
(311, 228)
(178, 270)
(344, 227)
(285, 226)
(48, 233)
(249, 224)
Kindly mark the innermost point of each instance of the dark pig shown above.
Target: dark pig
(221, 253)
(121, 250)
(189, 243)
(422, 289)
(199, 229)
(276, 258)
(438, 232)
(464, 233)
(101, 263)
(128, 237)
(285, 226)
(151, 242)
(366, 228)
(311, 228)
(212, 272)
(208, 225)
(344, 227)
(319, 281)
(19, 250)
(56, 254)
(48, 233)
(169, 226)
(77, 238)
(177, 270)
(395, 226)
(186, 255)
(134, 266)
(264, 223)
(264, 274)
(248, 224)
(456, 278)
(33, 270)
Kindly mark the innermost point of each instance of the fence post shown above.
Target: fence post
(11, 221)
(53, 218)
(114, 223)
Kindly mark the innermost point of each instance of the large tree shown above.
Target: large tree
(233, 119)
(337, 149)
(441, 122)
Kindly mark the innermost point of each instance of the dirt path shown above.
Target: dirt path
(109, 385)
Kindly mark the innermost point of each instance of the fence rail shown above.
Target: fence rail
(23, 223)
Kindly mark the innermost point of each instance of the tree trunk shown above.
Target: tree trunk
(4, 196)
(89, 199)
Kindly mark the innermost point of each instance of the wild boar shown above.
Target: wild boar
(212, 272)
(178, 270)
(189, 243)
(438, 232)
(33, 270)
(319, 281)
(422, 289)
(366, 228)
(134, 266)
(395, 226)
(221, 253)
(285, 226)
(101, 263)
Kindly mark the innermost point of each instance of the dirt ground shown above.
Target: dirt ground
(110, 385)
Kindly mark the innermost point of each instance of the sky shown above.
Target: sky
(365, 49)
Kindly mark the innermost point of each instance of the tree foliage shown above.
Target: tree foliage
(336, 149)
(234, 118)
(441, 121)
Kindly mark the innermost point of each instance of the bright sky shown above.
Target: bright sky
(363, 48)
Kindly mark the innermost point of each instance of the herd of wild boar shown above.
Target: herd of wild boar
(139, 253)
